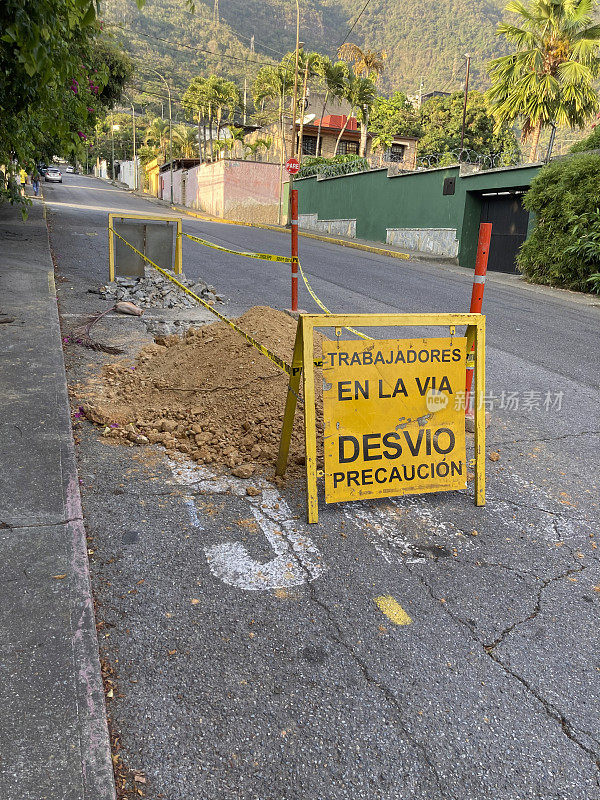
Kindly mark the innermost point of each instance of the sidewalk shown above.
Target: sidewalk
(53, 723)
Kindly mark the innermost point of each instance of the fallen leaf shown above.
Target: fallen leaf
(110, 693)
(172, 652)
(194, 601)
(59, 577)
(494, 456)
(139, 778)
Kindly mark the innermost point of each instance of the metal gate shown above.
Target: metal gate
(509, 228)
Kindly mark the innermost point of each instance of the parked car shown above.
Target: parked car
(70, 168)
(53, 175)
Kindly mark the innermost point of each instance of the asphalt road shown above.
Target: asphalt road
(306, 688)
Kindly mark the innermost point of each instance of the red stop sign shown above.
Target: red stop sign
(292, 165)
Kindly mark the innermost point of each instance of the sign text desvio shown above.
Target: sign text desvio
(392, 423)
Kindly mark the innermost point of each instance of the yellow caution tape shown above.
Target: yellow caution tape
(324, 307)
(260, 347)
(268, 257)
(245, 253)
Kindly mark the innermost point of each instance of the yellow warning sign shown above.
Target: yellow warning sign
(393, 424)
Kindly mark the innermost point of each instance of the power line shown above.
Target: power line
(353, 25)
(187, 46)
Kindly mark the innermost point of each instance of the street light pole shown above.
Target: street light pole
(170, 126)
(112, 144)
(462, 133)
(135, 175)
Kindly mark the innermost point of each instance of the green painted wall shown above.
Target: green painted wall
(411, 200)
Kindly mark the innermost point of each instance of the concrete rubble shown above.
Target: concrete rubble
(156, 291)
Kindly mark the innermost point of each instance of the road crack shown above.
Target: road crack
(549, 709)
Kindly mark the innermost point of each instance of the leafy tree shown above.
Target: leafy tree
(564, 247)
(56, 73)
(549, 79)
(394, 115)
(591, 142)
(441, 124)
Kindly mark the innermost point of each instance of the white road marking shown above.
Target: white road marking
(297, 560)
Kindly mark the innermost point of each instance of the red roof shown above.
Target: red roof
(337, 121)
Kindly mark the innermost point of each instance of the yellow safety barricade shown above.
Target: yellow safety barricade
(394, 411)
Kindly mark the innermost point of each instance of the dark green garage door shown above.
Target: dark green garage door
(509, 228)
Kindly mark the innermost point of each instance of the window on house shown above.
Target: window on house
(397, 152)
(347, 147)
(309, 145)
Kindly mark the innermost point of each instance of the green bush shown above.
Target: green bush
(564, 248)
(591, 142)
(338, 165)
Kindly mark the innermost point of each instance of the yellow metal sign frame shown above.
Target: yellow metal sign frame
(303, 364)
(152, 218)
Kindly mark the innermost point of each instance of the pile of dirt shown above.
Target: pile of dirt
(208, 394)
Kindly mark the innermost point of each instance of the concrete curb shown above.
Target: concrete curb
(96, 756)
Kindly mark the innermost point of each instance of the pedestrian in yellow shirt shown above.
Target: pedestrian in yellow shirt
(23, 176)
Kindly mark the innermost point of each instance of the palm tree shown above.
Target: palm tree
(185, 140)
(360, 93)
(273, 83)
(549, 79)
(254, 147)
(157, 135)
(237, 135)
(306, 64)
(333, 77)
(367, 63)
(194, 101)
(224, 98)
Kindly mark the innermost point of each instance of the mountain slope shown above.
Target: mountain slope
(423, 39)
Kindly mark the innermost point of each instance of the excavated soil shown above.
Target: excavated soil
(208, 394)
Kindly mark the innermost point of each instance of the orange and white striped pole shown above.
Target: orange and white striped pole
(483, 249)
(294, 222)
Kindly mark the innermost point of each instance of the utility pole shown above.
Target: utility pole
(246, 81)
(421, 86)
(170, 125)
(462, 133)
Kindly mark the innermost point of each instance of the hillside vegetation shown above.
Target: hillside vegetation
(423, 39)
